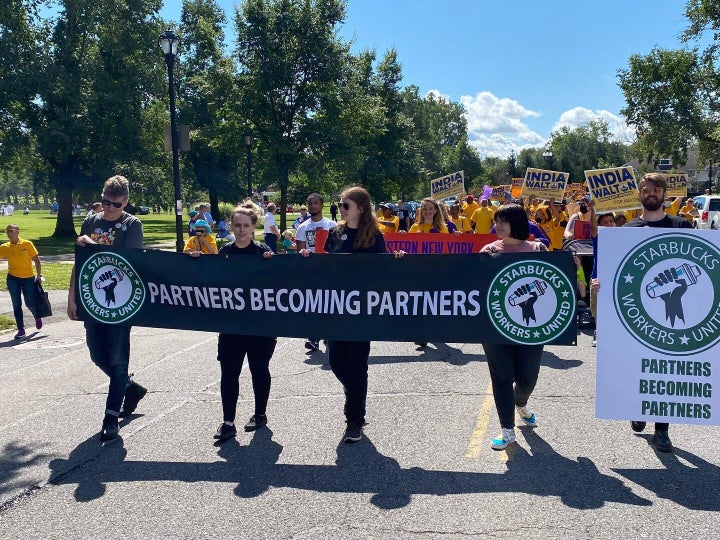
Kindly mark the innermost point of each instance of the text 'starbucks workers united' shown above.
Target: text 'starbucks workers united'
(110, 289)
(666, 294)
(531, 302)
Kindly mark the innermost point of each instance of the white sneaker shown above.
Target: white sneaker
(503, 440)
(527, 416)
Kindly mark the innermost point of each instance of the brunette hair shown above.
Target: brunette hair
(246, 209)
(367, 224)
(117, 186)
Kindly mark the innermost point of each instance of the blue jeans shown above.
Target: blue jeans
(109, 346)
(15, 286)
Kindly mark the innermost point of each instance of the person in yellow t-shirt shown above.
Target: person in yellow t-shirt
(469, 207)
(482, 218)
(21, 254)
(674, 206)
(202, 243)
(429, 218)
(388, 222)
(688, 211)
(461, 222)
(550, 221)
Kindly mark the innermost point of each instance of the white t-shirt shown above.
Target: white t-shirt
(269, 223)
(306, 231)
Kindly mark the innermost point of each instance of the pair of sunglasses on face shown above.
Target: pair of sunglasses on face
(106, 202)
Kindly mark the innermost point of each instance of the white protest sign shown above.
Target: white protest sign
(658, 333)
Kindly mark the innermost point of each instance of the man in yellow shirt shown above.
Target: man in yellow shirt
(388, 222)
(469, 207)
(674, 206)
(482, 218)
(20, 255)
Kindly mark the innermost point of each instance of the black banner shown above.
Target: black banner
(508, 298)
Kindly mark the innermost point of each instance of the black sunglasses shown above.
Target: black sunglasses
(344, 206)
(106, 202)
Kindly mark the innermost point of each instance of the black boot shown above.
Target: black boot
(133, 394)
(110, 428)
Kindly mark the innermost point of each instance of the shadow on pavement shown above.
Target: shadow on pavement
(687, 479)
(359, 468)
(13, 459)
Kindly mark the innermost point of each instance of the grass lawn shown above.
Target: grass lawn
(39, 226)
(57, 276)
(6, 323)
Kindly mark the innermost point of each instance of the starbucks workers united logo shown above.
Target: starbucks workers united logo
(110, 289)
(531, 302)
(666, 293)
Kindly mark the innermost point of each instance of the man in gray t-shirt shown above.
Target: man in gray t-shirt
(109, 344)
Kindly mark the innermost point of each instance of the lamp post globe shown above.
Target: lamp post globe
(169, 43)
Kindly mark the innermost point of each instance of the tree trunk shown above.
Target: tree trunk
(214, 204)
(64, 226)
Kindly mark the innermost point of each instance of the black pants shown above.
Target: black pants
(349, 363)
(271, 241)
(109, 346)
(519, 364)
(232, 349)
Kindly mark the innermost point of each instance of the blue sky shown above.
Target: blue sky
(522, 69)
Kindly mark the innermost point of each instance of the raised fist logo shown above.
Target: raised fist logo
(670, 286)
(527, 296)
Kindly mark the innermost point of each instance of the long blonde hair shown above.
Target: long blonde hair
(438, 221)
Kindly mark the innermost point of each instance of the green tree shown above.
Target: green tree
(290, 58)
(208, 103)
(671, 95)
(586, 147)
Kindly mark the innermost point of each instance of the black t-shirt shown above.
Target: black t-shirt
(668, 222)
(402, 215)
(253, 248)
(341, 240)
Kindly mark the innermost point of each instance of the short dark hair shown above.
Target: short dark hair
(515, 215)
(315, 196)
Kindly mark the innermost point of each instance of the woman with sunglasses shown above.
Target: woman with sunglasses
(232, 348)
(357, 232)
(202, 242)
(21, 254)
(513, 368)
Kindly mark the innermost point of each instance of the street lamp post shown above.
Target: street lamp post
(548, 155)
(248, 138)
(169, 44)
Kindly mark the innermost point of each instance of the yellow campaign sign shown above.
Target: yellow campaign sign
(676, 184)
(448, 185)
(498, 193)
(613, 190)
(516, 190)
(543, 184)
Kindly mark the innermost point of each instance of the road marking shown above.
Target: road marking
(483, 418)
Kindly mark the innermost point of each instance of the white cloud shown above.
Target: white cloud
(496, 126)
(580, 116)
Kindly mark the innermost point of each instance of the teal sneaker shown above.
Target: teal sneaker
(527, 416)
(505, 439)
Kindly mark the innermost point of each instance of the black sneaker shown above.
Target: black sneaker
(110, 428)
(661, 441)
(353, 433)
(312, 345)
(256, 422)
(133, 394)
(637, 427)
(225, 432)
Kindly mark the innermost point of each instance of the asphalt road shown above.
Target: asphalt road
(425, 469)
